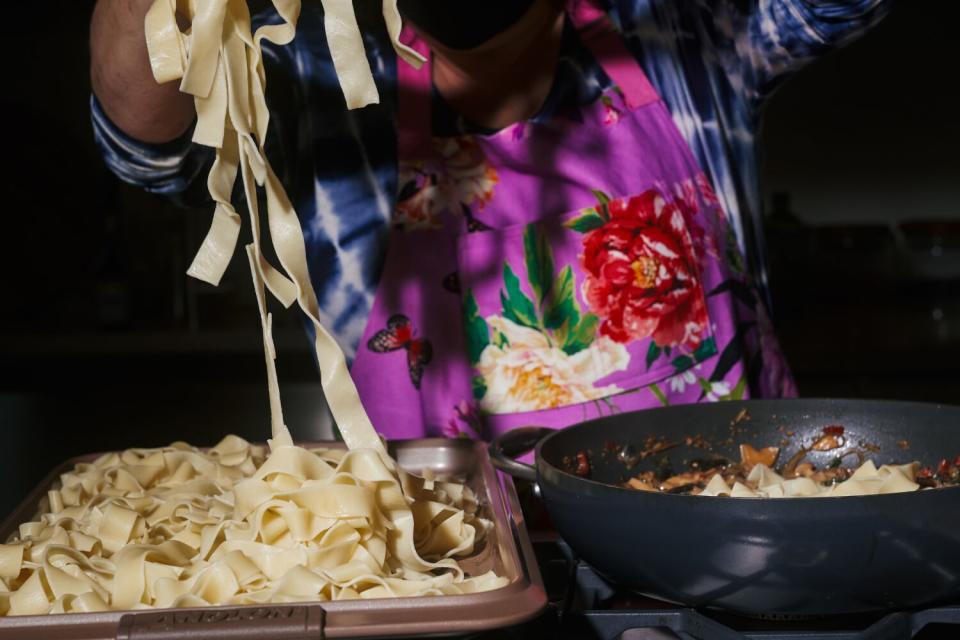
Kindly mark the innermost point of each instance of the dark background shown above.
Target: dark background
(105, 343)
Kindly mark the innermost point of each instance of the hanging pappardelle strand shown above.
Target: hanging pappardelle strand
(177, 526)
(220, 63)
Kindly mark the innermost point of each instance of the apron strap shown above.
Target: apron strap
(414, 97)
(602, 39)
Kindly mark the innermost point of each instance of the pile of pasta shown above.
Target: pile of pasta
(176, 527)
(764, 482)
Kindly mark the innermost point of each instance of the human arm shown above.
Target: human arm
(755, 43)
(142, 128)
(122, 80)
(764, 41)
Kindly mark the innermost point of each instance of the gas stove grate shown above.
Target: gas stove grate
(688, 624)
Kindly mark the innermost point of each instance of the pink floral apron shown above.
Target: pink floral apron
(557, 271)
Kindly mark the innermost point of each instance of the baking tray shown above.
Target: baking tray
(506, 550)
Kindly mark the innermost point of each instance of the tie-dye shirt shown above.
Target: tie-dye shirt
(713, 62)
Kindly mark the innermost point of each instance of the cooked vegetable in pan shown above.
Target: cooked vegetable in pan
(753, 476)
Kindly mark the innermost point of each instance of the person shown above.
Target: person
(553, 219)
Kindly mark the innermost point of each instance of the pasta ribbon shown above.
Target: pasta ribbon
(867, 480)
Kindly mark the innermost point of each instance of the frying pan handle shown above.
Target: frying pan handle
(517, 442)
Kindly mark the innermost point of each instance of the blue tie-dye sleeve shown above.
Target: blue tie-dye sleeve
(768, 39)
(172, 169)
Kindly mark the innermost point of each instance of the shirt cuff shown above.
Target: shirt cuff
(168, 168)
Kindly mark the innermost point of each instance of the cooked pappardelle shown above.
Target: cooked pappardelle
(179, 527)
(753, 476)
(763, 482)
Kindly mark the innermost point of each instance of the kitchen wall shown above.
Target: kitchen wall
(870, 133)
(862, 181)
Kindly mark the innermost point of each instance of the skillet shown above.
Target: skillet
(794, 557)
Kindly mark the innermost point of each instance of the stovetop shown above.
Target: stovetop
(585, 606)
